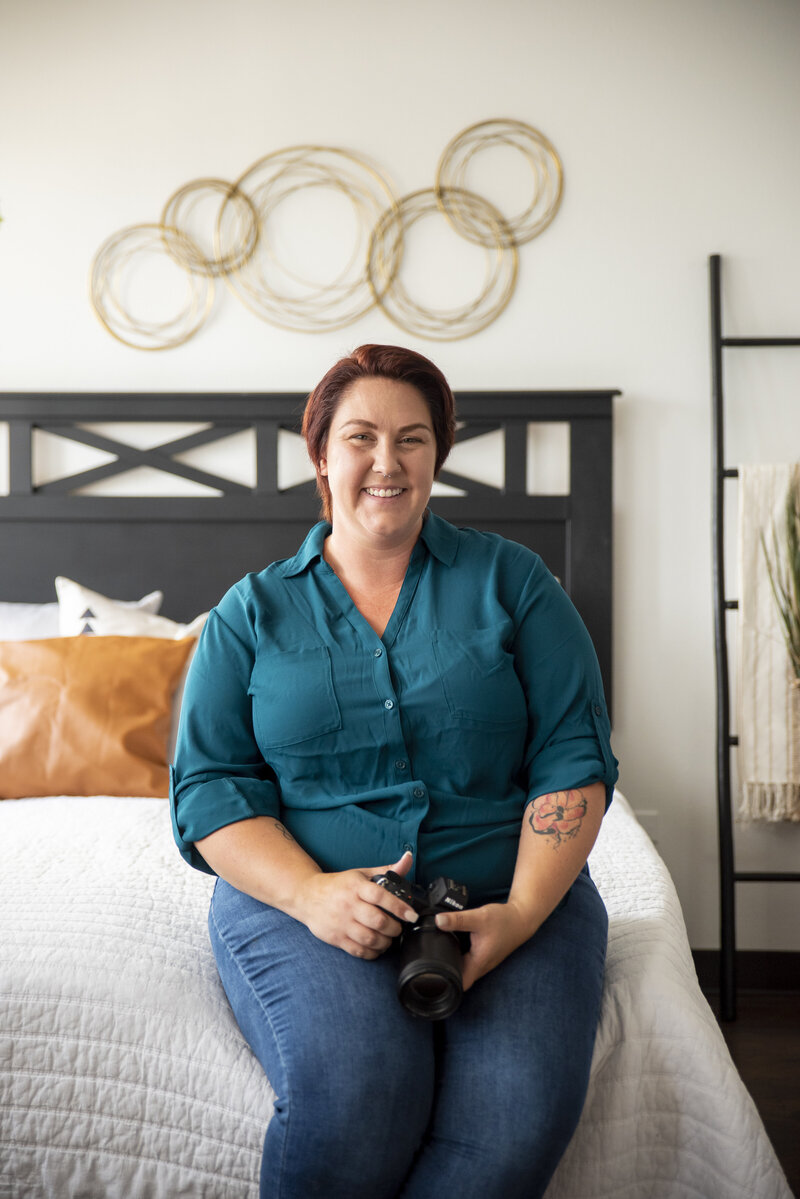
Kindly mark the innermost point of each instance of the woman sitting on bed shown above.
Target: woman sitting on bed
(401, 695)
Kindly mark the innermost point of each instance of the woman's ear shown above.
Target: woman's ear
(323, 466)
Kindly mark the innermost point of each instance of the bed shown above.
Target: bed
(122, 1071)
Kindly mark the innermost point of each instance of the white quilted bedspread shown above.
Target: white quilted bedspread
(123, 1074)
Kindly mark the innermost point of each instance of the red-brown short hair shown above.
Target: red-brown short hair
(377, 362)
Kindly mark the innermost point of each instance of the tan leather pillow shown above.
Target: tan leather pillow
(87, 715)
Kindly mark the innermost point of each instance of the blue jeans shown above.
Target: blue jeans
(375, 1103)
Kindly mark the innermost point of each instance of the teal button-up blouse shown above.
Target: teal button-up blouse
(483, 692)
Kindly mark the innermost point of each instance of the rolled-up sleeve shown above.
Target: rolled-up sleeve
(568, 726)
(219, 775)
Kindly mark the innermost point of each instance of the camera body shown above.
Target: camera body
(429, 976)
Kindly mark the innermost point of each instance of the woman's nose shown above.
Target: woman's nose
(385, 460)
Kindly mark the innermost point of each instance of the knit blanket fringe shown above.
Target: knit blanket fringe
(770, 801)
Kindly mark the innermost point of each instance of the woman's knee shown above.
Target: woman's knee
(349, 1124)
(506, 1149)
(380, 1076)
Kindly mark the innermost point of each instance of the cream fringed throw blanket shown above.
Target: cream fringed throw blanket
(769, 701)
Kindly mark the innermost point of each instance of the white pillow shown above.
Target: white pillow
(35, 622)
(79, 607)
(28, 622)
(83, 611)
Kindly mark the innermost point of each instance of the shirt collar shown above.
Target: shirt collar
(309, 551)
(439, 537)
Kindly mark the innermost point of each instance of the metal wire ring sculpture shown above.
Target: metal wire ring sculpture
(243, 231)
(268, 287)
(444, 324)
(245, 250)
(453, 169)
(109, 280)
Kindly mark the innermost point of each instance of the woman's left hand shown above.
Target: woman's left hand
(496, 930)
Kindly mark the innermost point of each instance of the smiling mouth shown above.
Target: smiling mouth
(384, 493)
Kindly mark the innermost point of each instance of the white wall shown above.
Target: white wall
(678, 125)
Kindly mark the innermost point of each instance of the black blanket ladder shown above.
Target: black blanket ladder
(729, 876)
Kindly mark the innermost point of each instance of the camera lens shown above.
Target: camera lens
(430, 995)
(427, 987)
(429, 978)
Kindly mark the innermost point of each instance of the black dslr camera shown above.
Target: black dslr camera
(429, 977)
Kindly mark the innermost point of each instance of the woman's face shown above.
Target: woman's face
(381, 428)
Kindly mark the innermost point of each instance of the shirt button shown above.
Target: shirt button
(388, 704)
(408, 848)
(378, 652)
(598, 711)
(419, 792)
(401, 765)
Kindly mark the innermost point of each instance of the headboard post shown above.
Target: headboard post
(267, 433)
(20, 481)
(590, 556)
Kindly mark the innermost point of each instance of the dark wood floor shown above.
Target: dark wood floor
(764, 1042)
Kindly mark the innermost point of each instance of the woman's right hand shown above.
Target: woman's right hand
(348, 910)
(260, 857)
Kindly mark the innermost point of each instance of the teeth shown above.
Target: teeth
(383, 492)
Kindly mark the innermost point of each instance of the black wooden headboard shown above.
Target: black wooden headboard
(194, 548)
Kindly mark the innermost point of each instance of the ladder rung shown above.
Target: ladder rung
(765, 876)
(760, 341)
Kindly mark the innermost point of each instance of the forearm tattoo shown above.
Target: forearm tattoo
(282, 829)
(558, 815)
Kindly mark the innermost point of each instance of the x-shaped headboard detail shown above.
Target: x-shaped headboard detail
(130, 457)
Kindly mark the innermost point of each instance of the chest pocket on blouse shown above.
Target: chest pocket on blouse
(478, 677)
(293, 697)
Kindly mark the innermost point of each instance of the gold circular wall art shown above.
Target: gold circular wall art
(548, 178)
(443, 324)
(270, 286)
(242, 220)
(349, 267)
(113, 271)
